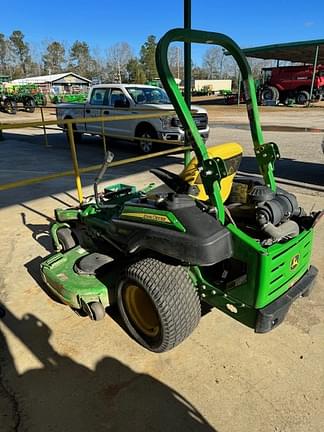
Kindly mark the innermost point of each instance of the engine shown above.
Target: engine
(267, 215)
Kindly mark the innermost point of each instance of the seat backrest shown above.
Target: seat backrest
(140, 98)
(231, 153)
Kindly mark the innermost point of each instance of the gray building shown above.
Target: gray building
(67, 82)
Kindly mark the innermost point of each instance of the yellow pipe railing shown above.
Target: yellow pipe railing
(76, 170)
(28, 182)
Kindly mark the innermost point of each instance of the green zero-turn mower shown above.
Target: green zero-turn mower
(208, 234)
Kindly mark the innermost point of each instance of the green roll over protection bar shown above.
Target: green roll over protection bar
(213, 170)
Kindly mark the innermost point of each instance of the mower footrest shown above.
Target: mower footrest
(272, 315)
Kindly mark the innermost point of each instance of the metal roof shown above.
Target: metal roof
(303, 51)
(47, 78)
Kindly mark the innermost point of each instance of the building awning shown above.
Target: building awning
(303, 52)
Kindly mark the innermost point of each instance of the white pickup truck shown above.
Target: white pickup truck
(126, 99)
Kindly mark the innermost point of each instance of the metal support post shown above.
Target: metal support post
(75, 162)
(103, 135)
(44, 127)
(239, 89)
(187, 71)
(314, 73)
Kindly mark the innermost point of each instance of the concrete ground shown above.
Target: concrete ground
(60, 372)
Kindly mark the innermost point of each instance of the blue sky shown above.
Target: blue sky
(103, 23)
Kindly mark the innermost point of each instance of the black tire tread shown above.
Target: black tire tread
(173, 293)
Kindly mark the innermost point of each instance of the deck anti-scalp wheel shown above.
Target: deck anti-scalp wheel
(158, 303)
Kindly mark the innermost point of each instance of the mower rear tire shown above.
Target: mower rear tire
(66, 239)
(158, 304)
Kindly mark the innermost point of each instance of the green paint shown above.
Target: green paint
(71, 288)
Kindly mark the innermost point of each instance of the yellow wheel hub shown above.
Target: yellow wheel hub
(141, 310)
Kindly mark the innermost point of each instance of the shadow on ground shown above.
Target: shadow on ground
(64, 395)
(25, 156)
(290, 169)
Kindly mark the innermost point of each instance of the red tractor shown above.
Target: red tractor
(291, 83)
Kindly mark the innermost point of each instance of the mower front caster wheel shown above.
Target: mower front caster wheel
(95, 311)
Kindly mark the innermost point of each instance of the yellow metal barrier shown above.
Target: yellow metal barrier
(91, 168)
(76, 170)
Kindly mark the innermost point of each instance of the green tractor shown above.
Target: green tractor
(29, 96)
(8, 102)
(206, 235)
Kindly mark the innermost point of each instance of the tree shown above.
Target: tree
(176, 62)
(212, 60)
(199, 73)
(147, 57)
(20, 50)
(135, 71)
(81, 61)
(118, 57)
(54, 58)
(3, 54)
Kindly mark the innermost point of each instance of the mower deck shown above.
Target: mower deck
(74, 287)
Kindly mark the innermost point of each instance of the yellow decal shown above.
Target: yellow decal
(149, 216)
(294, 262)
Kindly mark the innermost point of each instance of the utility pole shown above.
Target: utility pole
(187, 69)
(178, 62)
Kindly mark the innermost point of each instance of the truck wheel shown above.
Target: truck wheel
(158, 304)
(302, 97)
(66, 239)
(29, 104)
(10, 106)
(146, 146)
(270, 94)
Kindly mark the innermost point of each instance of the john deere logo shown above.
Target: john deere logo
(294, 262)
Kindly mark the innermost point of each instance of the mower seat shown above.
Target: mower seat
(231, 153)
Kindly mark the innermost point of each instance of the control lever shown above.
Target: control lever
(108, 158)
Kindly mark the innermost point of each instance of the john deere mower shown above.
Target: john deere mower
(207, 234)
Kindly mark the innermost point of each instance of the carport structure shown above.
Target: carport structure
(307, 52)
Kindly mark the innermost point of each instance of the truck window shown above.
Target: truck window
(98, 97)
(142, 95)
(116, 95)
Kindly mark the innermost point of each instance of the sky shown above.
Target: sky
(104, 23)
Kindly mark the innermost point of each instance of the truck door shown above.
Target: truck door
(96, 107)
(118, 105)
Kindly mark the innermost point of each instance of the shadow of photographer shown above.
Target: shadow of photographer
(64, 395)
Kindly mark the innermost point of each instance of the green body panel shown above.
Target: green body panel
(215, 296)
(277, 273)
(72, 288)
(67, 215)
(268, 269)
(269, 273)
